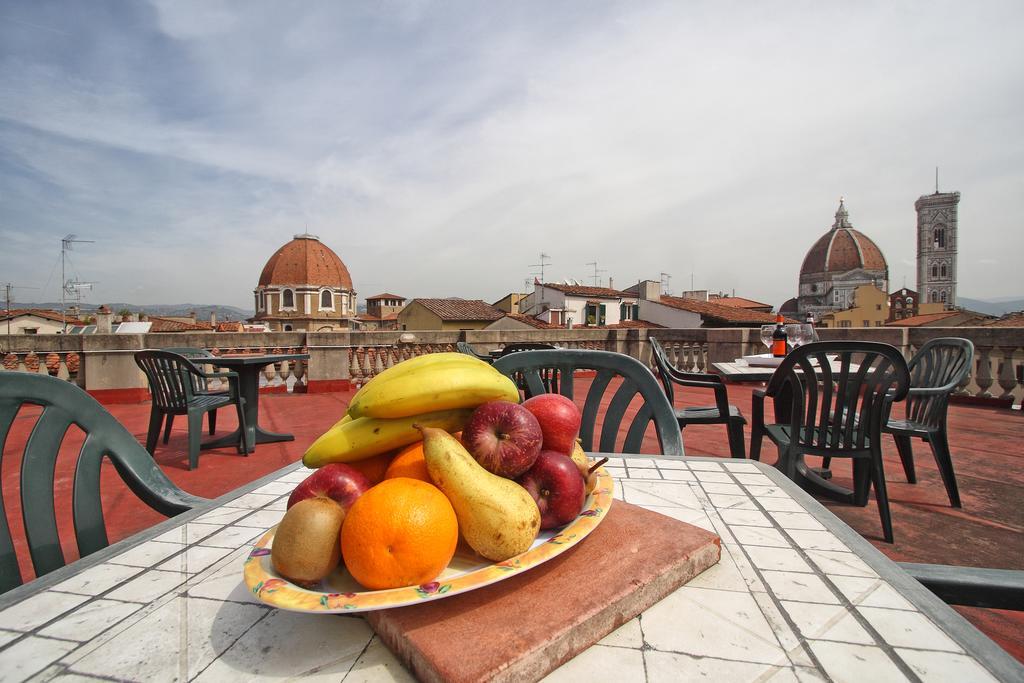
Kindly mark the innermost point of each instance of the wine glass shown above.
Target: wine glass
(795, 335)
(810, 334)
(766, 335)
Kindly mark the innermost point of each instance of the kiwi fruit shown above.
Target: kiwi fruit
(307, 543)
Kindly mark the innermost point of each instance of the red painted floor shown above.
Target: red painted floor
(986, 444)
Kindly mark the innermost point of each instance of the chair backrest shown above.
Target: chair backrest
(516, 347)
(464, 347)
(842, 409)
(195, 355)
(940, 365)
(173, 379)
(64, 404)
(636, 380)
(664, 368)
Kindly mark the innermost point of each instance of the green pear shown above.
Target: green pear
(497, 517)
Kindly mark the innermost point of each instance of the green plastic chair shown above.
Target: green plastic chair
(64, 404)
(466, 348)
(199, 384)
(636, 380)
(172, 384)
(720, 413)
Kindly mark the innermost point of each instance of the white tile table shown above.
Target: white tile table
(797, 596)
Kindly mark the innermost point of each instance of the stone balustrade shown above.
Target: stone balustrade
(104, 365)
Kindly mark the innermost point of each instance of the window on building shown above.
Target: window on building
(943, 297)
(935, 270)
(940, 238)
(30, 330)
(878, 323)
(878, 307)
(942, 270)
(867, 323)
(898, 305)
(935, 297)
(910, 301)
(326, 300)
(287, 328)
(287, 299)
(845, 323)
(837, 296)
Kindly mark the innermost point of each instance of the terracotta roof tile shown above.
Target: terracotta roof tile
(305, 261)
(920, 320)
(461, 309)
(385, 295)
(45, 313)
(714, 312)
(739, 302)
(531, 321)
(170, 325)
(581, 290)
(1008, 320)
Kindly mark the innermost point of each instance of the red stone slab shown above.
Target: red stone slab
(523, 627)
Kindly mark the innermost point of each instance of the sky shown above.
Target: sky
(439, 148)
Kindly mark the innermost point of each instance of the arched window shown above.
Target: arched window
(287, 328)
(326, 300)
(940, 237)
(935, 297)
(287, 299)
(943, 297)
(910, 301)
(943, 270)
(935, 270)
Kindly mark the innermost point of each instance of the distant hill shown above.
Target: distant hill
(999, 306)
(202, 310)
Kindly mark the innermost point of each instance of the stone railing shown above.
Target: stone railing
(104, 366)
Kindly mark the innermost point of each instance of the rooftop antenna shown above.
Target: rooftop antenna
(597, 278)
(68, 287)
(9, 299)
(666, 284)
(544, 260)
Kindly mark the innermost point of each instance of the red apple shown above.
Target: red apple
(559, 421)
(555, 483)
(336, 481)
(503, 437)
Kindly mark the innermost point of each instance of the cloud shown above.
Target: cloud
(440, 148)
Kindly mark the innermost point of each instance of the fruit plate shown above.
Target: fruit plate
(339, 592)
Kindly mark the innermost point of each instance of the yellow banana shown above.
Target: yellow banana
(421, 364)
(365, 437)
(438, 387)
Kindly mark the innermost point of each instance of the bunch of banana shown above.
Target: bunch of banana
(437, 390)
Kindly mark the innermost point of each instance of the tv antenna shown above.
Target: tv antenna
(544, 260)
(8, 300)
(68, 286)
(666, 284)
(597, 278)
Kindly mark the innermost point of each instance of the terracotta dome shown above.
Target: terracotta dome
(842, 249)
(305, 261)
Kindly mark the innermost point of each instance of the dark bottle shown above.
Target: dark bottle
(779, 345)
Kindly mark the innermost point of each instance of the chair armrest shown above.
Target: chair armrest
(220, 375)
(757, 407)
(685, 378)
(927, 391)
(971, 586)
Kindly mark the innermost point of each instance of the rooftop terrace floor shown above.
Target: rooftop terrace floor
(986, 444)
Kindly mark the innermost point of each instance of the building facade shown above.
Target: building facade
(305, 286)
(840, 261)
(937, 247)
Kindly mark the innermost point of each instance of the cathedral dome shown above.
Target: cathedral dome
(305, 261)
(842, 249)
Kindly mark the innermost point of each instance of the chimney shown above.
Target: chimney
(611, 283)
(192, 316)
(104, 320)
(650, 290)
(213, 320)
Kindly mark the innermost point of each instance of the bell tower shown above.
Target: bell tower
(937, 247)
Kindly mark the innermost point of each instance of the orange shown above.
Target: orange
(402, 532)
(375, 467)
(409, 463)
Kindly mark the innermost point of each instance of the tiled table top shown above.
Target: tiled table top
(797, 596)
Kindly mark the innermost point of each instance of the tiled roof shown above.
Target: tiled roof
(305, 261)
(531, 321)
(581, 290)
(842, 249)
(385, 295)
(171, 325)
(230, 326)
(461, 309)
(740, 302)
(714, 312)
(1008, 320)
(921, 320)
(45, 313)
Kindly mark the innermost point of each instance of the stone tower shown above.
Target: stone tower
(937, 247)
